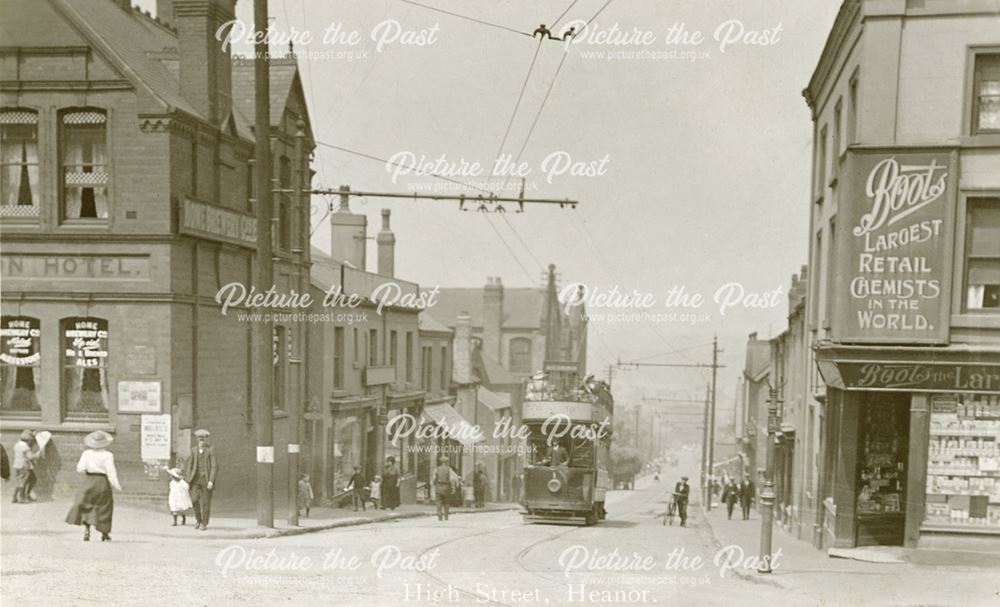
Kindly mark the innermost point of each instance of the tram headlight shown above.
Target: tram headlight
(554, 485)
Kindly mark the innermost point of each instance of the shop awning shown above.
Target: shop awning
(909, 369)
(456, 427)
(493, 400)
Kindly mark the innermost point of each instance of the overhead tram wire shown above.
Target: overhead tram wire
(520, 96)
(599, 11)
(559, 18)
(466, 17)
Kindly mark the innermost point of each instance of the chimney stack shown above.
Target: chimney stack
(348, 233)
(462, 350)
(493, 318)
(165, 11)
(386, 241)
(206, 71)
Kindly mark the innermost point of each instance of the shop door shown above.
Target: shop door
(882, 464)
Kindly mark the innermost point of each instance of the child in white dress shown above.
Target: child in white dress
(375, 491)
(179, 499)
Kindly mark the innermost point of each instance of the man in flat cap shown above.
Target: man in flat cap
(682, 492)
(201, 470)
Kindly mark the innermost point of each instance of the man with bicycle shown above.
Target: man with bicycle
(681, 492)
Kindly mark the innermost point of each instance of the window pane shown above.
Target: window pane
(985, 230)
(85, 170)
(18, 163)
(987, 91)
(85, 364)
(20, 360)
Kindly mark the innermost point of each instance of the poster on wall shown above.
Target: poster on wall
(139, 397)
(155, 444)
(895, 230)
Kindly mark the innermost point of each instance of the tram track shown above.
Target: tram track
(519, 558)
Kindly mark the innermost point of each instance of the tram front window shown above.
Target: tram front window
(564, 451)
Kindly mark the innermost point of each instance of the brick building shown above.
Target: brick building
(126, 204)
(904, 287)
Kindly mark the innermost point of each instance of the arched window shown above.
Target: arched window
(18, 162)
(20, 363)
(83, 139)
(85, 366)
(520, 355)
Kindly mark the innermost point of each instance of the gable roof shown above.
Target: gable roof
(493, 372)
(127, 38)
(426, 322)
(758, 362)
(283, 71)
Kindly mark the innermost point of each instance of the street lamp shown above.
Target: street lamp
(767, 495)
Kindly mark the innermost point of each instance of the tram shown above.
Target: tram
(566, 475)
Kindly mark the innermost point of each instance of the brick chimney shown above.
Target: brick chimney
(462, 350)
(386, 241)
(206, 70)
(165, 11)
(492, 317)
(348, 233)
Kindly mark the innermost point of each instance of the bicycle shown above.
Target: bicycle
(668, 516)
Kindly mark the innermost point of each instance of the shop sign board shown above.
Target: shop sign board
(894, 244)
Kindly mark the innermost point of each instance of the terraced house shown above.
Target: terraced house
(127, 202)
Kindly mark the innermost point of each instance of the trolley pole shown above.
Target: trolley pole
(262, 331)
(767, 495)
(704, 449)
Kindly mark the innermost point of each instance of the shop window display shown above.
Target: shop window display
(963, 463)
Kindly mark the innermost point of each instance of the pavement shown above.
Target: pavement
(47, 519)
(912, 577)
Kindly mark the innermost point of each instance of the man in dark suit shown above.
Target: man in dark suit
(746, 496)
(201, 470)
(681, 493)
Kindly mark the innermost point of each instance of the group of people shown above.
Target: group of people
(742, 492)
(382, 492)
(93, 505)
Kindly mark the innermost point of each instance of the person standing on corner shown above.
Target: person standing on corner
(730, 495)
(202, 468)
(94, 504)
(479, 484)
(390, 484)
(515, 487)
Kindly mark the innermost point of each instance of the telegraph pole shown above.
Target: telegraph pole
(262, 331)
(767, 495)
(711, 419)
(294, 404)
(704, 449)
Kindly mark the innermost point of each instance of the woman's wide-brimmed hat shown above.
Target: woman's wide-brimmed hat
(98, 439)
(27, 435)
(684, 478)
(202, 432)
(174, 472)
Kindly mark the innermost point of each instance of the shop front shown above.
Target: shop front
(917, 446)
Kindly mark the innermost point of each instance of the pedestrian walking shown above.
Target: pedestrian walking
(357, 488)
(444, 485)
(747, 491)
(390, 484)
(26, 453)
(730, 495)
(480, 481)
(4, 464)
(202, 469)
(375, 492)
(469, 494)
(94, 504)
(515, 485)
(179, 498)
(305, 494)
(681, 493)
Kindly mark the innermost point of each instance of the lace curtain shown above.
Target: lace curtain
(18, 158)
(85, 165)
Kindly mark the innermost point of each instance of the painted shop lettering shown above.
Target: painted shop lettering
(871, 263)
(897, 190)
(914, 234)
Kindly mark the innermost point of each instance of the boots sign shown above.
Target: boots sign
(894, 235)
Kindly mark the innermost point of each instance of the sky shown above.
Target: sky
(698, 153)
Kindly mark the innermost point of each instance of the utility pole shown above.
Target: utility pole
(294, 404)
(704, 449)
(262, 332)
(637, 427)
(767, 495)
(711, 419)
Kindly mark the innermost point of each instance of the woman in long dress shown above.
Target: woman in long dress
(94, 504)
(390, 484)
